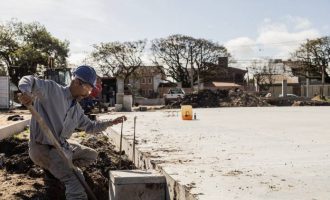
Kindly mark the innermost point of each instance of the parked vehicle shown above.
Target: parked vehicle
(173, 94)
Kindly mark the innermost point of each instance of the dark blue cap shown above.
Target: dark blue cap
(87, 74)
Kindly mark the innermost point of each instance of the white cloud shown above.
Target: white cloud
(274, 40)
(242, 47)
(299, 23)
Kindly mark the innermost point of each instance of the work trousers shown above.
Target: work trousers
(48, 158)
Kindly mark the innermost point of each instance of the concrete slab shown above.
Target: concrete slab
(136, 176)
(13, 128)
(236, 153)
(136, 185)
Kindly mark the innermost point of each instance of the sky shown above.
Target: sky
(249, 29)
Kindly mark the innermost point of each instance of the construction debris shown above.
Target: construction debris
(241, 98)
(220, 98)
(15, 118)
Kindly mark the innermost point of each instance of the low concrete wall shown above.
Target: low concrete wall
(12, 129)
(174, 190)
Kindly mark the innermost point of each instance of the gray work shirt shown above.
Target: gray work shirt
(58, 109)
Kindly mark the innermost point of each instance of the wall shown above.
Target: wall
(277, 90)
(315, 90)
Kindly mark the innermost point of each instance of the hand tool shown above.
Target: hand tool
(121, 142)
(57, 146)
(133, 159)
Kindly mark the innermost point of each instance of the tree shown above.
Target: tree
(184, 55)
(312, 59)
(119, 58)
(24, 47)
(264, 74)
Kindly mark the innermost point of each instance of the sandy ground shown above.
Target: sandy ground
(240, 153)
(19, 186)
(5, 114)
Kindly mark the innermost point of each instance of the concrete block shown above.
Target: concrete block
(118, 107)
(119, 98)
(10, 130)
(136, 185)
(128, 103)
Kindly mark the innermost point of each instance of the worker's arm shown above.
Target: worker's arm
(31, 86)
(97, 126)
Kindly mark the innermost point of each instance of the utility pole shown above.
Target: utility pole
(200, 66)
(323, 80)
(247, 77)
(191, 69)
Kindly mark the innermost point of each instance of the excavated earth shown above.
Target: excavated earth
(239, 98)
(220, 98)
(21, 179)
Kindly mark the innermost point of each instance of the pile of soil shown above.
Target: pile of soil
(296, 101)
(240, 98)
(20, 178)
(220, 98)
(310, 103)
(204, 99)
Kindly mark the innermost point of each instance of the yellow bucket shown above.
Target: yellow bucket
(186, 112)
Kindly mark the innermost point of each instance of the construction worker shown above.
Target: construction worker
(62, 113)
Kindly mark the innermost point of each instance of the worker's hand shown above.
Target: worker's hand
(119, 120)
(26, 99)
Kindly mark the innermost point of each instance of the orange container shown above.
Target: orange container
(186, 112)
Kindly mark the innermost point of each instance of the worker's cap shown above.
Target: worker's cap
(86, 74)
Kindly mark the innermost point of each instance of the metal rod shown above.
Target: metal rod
(121, 141)
(133, 159)
(57, 146)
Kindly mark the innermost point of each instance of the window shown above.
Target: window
(143, 80)
(150, 80)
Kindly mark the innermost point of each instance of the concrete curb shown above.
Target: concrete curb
(12, 129)
(144, 161)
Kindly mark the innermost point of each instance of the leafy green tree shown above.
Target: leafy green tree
(119, 59)
(311, 60)
(185, 56)
(24, 47)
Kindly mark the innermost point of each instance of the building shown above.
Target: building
(221, 76)
(146, 80)
(274, 84)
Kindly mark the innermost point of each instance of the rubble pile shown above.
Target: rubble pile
(240, 98)
(203, 99)
(15, 161)
(220, 98)
(310, 103)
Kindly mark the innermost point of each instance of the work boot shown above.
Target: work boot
(49, 176)
(55, 190)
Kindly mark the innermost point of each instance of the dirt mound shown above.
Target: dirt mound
(16, 166)
(240, 98)
(310, 103)
(220, 98)
(24, 179)
(97, 174)
(203, 99)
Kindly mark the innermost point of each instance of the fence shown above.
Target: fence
(314, 90)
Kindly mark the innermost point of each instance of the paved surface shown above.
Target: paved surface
(241, 153)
